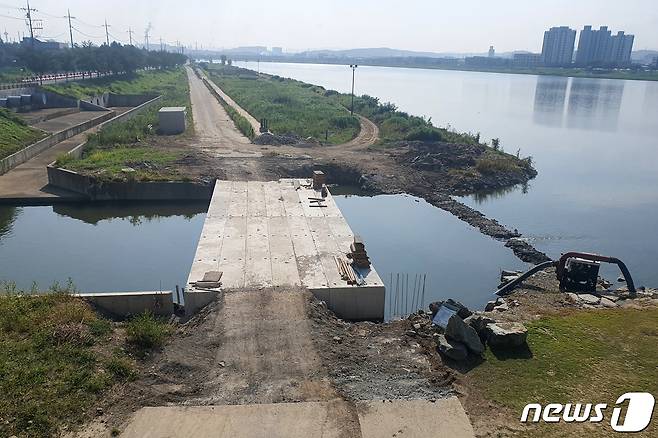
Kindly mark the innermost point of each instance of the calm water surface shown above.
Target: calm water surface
(406, 235)
(593, 141)
(100, 248)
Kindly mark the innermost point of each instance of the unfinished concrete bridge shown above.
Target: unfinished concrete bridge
(274, 244)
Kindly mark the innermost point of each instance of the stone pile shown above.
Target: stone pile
(466, 333)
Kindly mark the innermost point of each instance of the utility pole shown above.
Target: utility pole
(146, 36)
(70, 26)
(107, 32)
(353, 66)
(161, 45)
(29, 11)
(130, 34)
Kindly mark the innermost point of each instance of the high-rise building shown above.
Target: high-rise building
(622, 46)
(601, 48)
(557, 50)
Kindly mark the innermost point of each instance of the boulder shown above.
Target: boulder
(479, 322)
(504, 307)
(462, 310)
(589, 299)
(506, 334)
(459, 331)
(490, 306)
(608, 303)
(451, 349)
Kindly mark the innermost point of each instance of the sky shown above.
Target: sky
(463, 26)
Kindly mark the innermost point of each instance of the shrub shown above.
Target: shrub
(121, 368)
(146, 332)
(424, 134)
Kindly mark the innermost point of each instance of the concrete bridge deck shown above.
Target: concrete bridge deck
(270, 234)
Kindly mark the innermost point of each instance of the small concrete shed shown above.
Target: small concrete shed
(173, 120)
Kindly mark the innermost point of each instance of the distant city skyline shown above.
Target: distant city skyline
(468, 26)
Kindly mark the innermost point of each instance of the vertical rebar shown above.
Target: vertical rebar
(390, 292)
(424, 278)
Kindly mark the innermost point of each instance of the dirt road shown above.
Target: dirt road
(214, 129)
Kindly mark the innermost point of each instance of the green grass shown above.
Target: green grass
(583, 357)
(131, 143)
(395, 125)
(148, 163)
(146, 332)
(15, 134)
(51, 370)
(12, 74)
(141, 82)
(291, 107)
(493, 162)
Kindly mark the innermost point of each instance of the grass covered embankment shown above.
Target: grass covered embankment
(15, 134)
(58, 357)
(290, 106)
(132, 144)
(581, 357)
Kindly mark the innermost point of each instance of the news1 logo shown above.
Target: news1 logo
(638, 412)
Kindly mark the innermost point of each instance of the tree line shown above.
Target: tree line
(112, 59)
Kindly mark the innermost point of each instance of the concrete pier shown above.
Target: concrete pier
(271, 234)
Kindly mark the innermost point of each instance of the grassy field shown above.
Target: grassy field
(131, 144)
(57, 357)
(15, 134)
(289, 106)
(583, 357)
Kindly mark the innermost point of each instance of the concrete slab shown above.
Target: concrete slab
(376, 419)
(273, 234)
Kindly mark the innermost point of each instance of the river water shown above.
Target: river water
(100, 247)
(593, 141)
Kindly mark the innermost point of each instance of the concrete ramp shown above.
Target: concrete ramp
(376, 419)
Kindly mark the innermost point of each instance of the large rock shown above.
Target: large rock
(506, 334)
(451, 348)
(461, 310)
(459, 331)
(479, 322)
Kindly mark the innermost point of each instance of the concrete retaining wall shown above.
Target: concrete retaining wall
(124, 304)
(130, 190)
(77, 151)
(20, 157)
(354, 304)
(195, 301)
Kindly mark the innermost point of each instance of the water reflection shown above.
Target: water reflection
(488, 195)
(594, 104)
(7, 218)
(550, 94)
(135, 213)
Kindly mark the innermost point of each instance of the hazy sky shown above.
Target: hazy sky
(428, 25)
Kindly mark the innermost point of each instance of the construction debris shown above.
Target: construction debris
(347, 272)
(211, 280)
(358, 253)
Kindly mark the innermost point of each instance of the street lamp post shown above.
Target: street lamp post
(353, 66)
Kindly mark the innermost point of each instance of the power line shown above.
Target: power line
(86, 34)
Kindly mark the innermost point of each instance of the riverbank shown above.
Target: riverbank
(540, 71)
(60, 358)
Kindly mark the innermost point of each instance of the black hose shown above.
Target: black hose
(507, 289)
